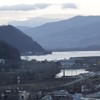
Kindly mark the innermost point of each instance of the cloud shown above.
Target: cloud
(69, 6)
(25, 7)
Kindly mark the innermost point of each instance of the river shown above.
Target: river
(71, 72)
(63, 55)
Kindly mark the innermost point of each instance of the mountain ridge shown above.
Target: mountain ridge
(65, 33)
(34, 22)
(25, 44)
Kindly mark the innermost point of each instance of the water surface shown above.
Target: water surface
(63, 55)
(71, 72)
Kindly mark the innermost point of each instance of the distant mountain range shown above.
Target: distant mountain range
(33, 22)
(19, 40)
(81, 32)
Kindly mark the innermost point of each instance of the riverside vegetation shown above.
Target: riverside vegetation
(13, 69)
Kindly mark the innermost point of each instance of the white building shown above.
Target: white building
(23, 95)
(47, 97)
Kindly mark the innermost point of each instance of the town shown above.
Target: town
(36, 80)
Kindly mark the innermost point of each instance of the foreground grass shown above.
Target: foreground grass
(36, 85)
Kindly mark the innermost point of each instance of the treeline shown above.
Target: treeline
(40, 70)
(29, 72)
(12, 67)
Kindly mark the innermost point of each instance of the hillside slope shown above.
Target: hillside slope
(9, 57)
(19, 40)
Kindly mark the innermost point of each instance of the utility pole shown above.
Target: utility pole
(18, 81)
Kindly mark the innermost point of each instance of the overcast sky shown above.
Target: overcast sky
(25, 9)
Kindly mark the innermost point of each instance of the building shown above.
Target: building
(67, 63)
(47, 97)
(2, 61)
(23, 95)
(60, 93)
(77, 96)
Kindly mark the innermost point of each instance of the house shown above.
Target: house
(47, 97)
(94, 95)
(60, 93)
(67, 63)
(72, 62)
(2, 61)
(84, 88)
(77, 96)
(23, 95)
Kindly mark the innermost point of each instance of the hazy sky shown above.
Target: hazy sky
(24, 9)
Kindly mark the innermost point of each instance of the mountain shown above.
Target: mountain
(76, 32)
(19, 40)
(8, 51)
(77, 37)
(33, 22)
(10, 57)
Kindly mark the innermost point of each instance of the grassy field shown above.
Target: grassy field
(36, 85)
